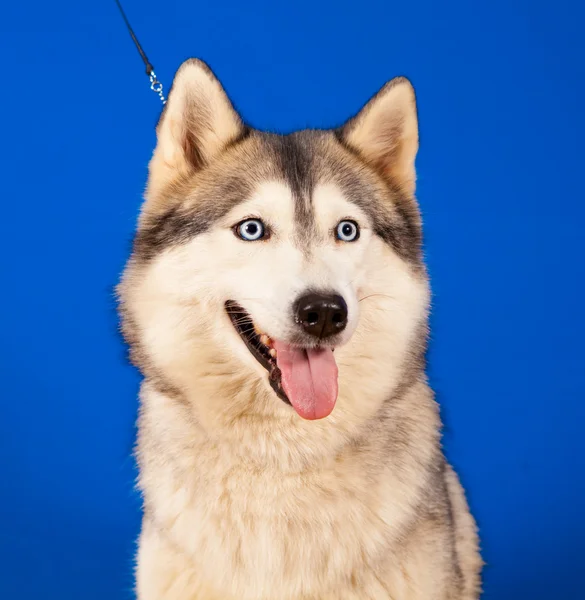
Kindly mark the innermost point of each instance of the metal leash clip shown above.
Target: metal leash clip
(155, 85)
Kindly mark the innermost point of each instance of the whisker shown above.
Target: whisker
(374, 295)
(243, 321)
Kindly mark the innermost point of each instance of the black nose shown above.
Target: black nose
(321, 315)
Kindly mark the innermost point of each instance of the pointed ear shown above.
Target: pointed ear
(385, 133)
(198, 121)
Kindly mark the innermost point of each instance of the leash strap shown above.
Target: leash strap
(155, 85)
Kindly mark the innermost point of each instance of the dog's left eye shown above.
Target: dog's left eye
(250, 230)
(347, 231)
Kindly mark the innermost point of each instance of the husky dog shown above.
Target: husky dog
(276, 303)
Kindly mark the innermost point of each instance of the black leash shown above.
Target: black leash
(155, 85)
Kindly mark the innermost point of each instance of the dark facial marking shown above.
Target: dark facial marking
(301, 160)
(396, 219)
(294, 157)
(181, 223)
(168, 229)
(402, 230)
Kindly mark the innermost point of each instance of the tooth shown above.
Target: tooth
(264, 339)
(272, 352)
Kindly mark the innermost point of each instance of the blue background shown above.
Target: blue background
(500, 87)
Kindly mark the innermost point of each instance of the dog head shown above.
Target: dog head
(278, 275)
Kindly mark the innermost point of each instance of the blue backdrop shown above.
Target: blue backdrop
(500, 87)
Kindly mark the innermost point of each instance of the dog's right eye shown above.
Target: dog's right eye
(250, 230)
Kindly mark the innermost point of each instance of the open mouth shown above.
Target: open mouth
(259, 344)
(304, 377)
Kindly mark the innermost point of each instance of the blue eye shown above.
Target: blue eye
(250, 230)
(347, 231)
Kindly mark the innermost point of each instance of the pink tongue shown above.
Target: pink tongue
(309, 378)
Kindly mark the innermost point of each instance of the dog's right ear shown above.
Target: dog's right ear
(198, 122)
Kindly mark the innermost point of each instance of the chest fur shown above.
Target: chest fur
(256, 531)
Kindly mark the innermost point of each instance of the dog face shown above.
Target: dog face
(278, 275)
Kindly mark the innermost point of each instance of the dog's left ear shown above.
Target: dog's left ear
(385, 133)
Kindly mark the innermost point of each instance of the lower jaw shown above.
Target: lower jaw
(274, 380)
(252, 341)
